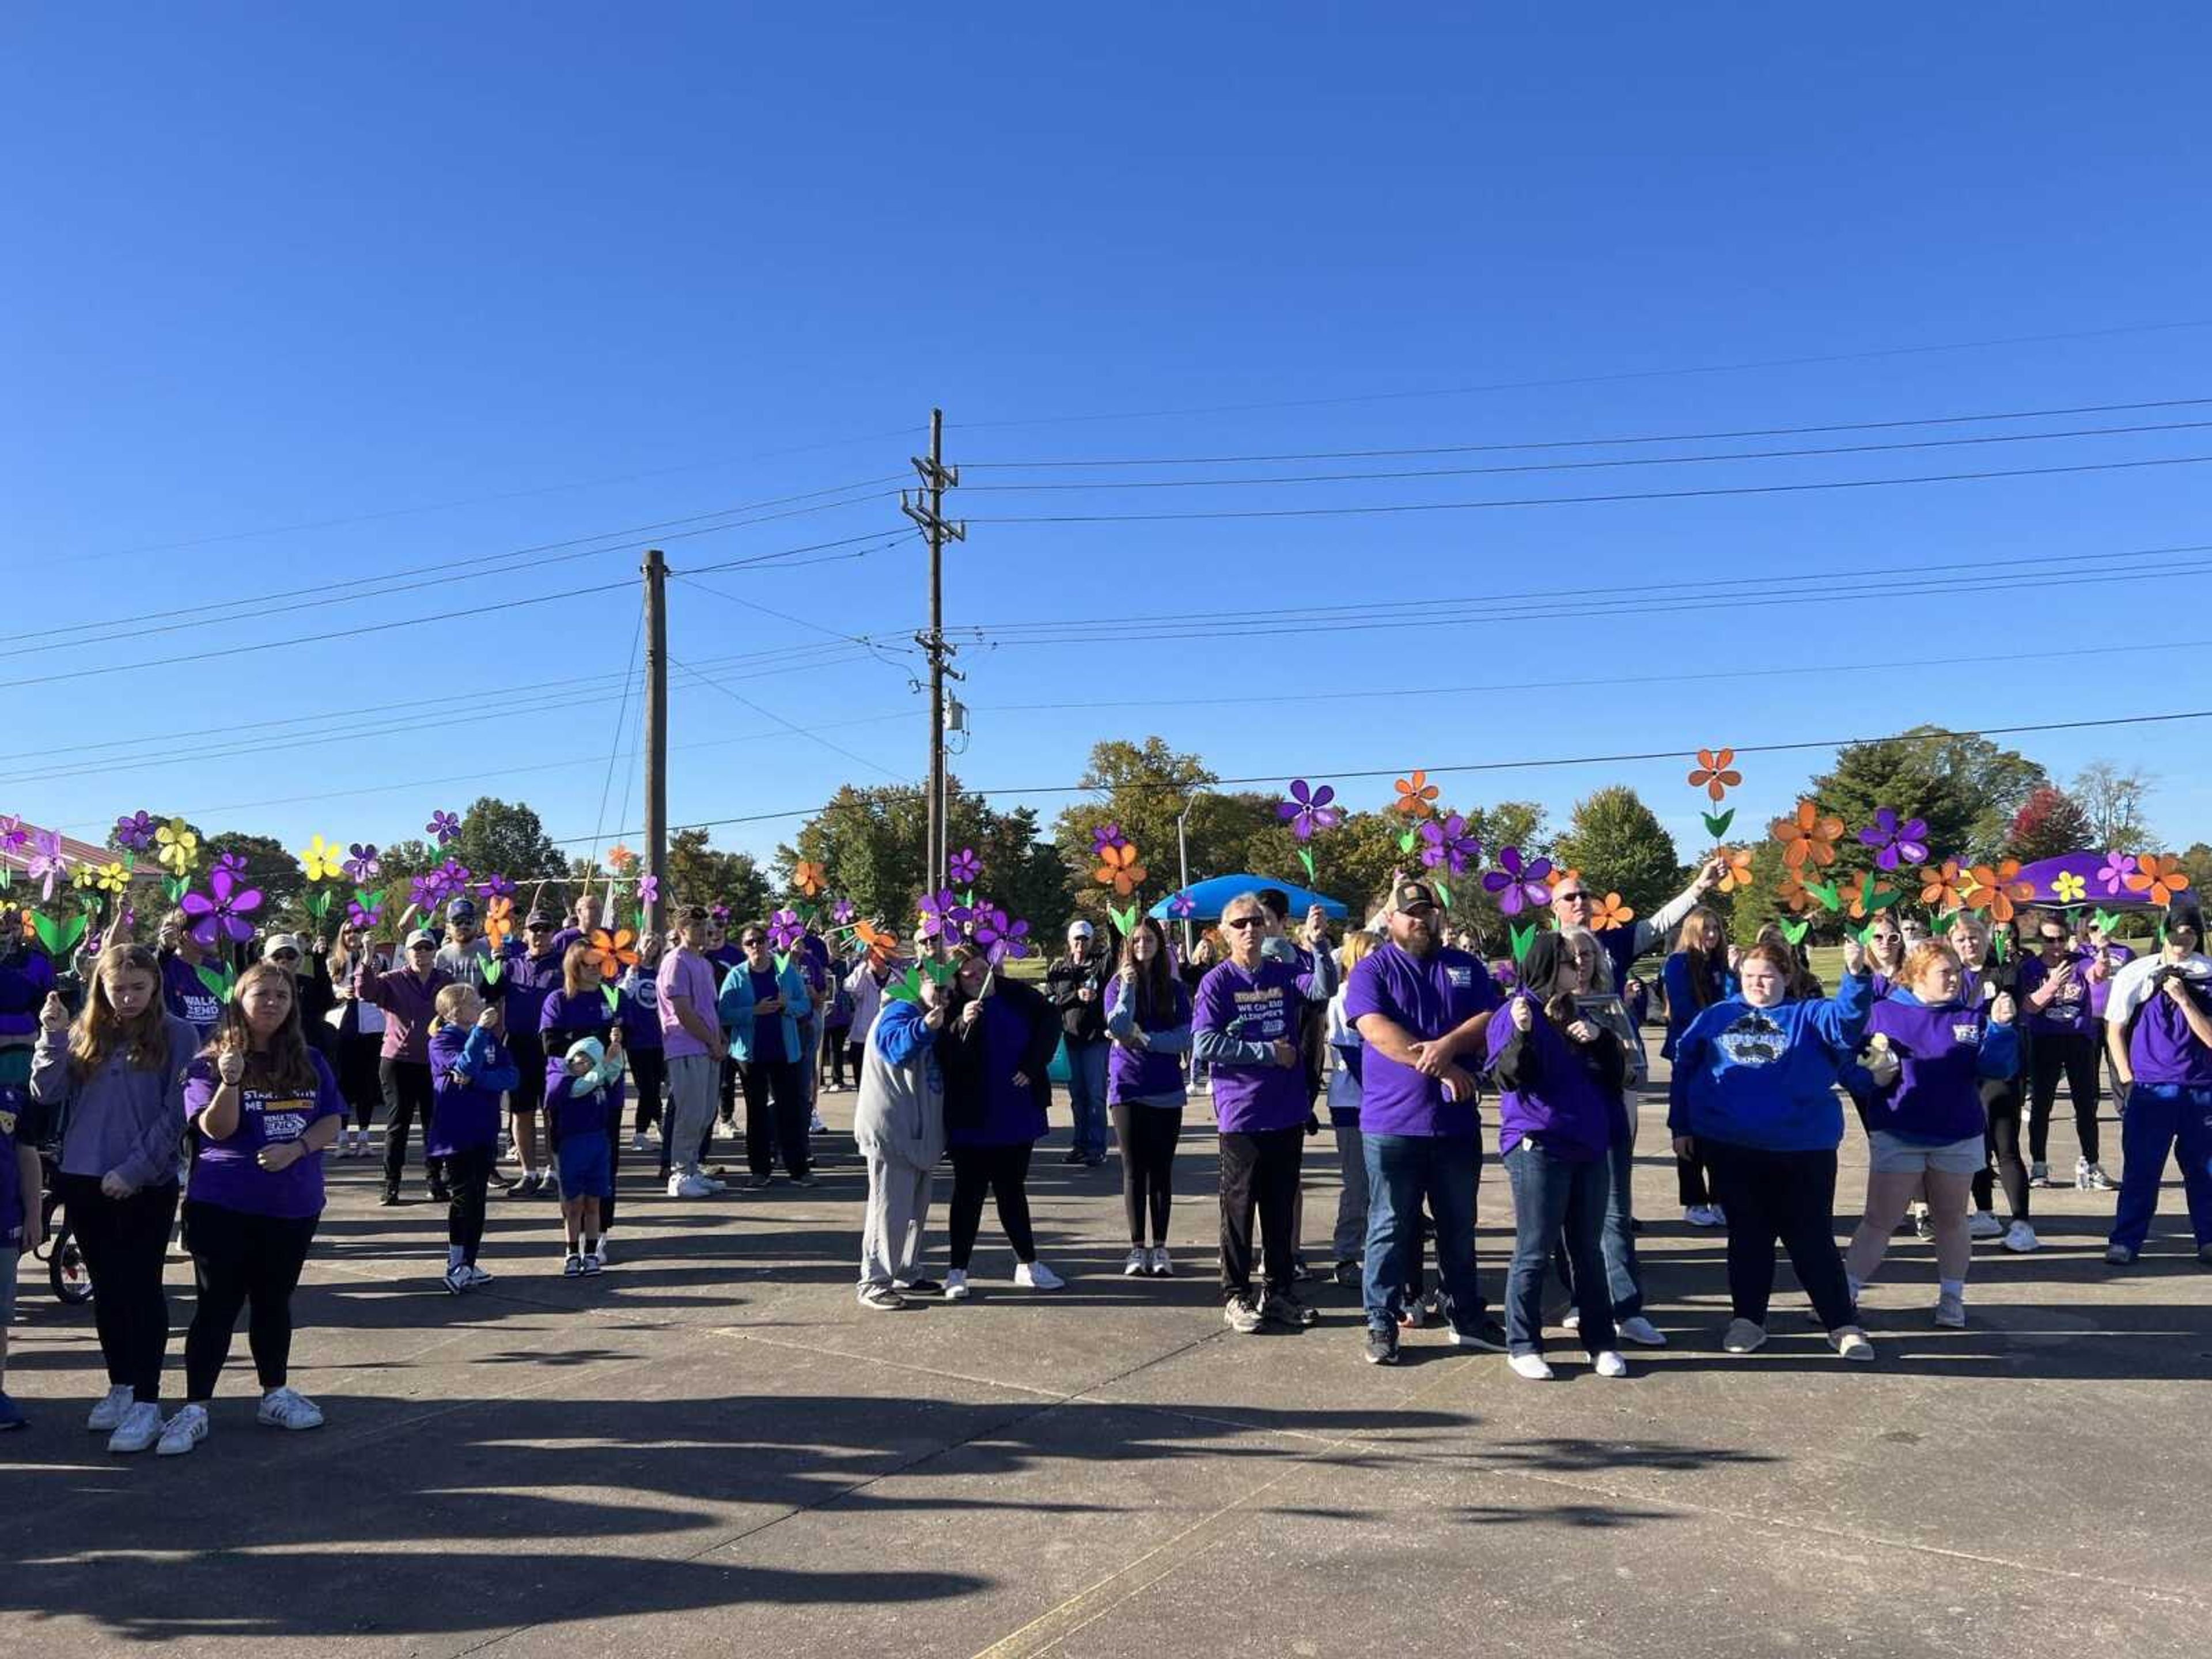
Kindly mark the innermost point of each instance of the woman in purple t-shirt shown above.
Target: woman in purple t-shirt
(264, 1105)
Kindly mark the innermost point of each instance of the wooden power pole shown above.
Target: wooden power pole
(926, 508)
(656, 733)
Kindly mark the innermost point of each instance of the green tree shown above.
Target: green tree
(504, 838)
(2197, 864)
(1619, 846)
(700, 874)
(1967, 789)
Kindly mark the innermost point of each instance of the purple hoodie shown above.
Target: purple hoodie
(1546, 1093)
(408, 1003)
(1154, 1073)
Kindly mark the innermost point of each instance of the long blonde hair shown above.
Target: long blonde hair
(143, 1039)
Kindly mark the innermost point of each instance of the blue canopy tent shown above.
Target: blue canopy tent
(1209, 895)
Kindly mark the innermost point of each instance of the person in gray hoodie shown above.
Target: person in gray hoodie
(899, 1123)
(113, 1084)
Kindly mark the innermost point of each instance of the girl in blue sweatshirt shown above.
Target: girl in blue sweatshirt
(583, 1127)
(1753, 1094)
(1918, 1084)
(470, 1069)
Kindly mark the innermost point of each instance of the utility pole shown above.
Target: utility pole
(926, 506)
(656, 733)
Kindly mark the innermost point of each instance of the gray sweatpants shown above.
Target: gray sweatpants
(693, 1083)
(890, 1232)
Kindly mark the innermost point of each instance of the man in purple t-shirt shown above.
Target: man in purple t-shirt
(692, 1043)
(1422, 1011)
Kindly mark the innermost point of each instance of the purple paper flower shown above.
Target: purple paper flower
(648, 889)
(1517, 884)
(942, 916)
(48, 863)
(364, 916)
(965, 866)
(721, 913)
(1105, 835)
(2112, 875)
(1001, 938)
(12, 833)
(223, 915)
(427, 892)
(231, 864)
(1183, 904)
(1308, 810)
(1893, 840)
(1448, 844)
(134, 832)
(443, 826)
(842, 913)
(497, 887)
(362, 865)
(785, 929)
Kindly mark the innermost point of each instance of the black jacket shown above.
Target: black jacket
(1080, 1021)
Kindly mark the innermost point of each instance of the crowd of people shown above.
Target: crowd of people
(532, 1068)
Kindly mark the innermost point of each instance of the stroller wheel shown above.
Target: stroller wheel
(66, 1272)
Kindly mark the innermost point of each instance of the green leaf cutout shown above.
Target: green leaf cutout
(1305, 857)
(221, 981)
(1124, 920)
(1865, 935)
(1444, 894)
(1406, 841)
(942, 972)
(1997, 946)
(58, 938)
(613, 995)
(1831, 900)
(1794, 931)
(782, 961)
(905, 988)
(174, 887)
(495, 970)
(319, 903)
(2108, 921)
(1524, 935)
(1717, 824)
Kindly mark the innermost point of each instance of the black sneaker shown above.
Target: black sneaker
(919, 1287)
(1281, 1308)
(1486, 1335)
(1351, 1273)
(524, 1187)
(389, 1196)
(804, 1181)
(1381, 1345)
(440, 1192)
(1074, 1156)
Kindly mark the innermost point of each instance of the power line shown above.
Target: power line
(621, 715)
(1708, 491)
(1614, 378)
(870, 643)
(1597, 443)
(769, 714)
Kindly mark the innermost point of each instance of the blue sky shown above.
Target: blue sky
(311, 299)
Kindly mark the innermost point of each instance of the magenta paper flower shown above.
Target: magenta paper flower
(1183, 904)
(364, 916)
(134, 832)
(223, 915)
(362, 864)
(942, 916)
(1105, 835)
(12, 834)
(496, 887)
(2112, 875)
(1308, 810)
(1001, 938)
(721, 913)
(48, 863)
(785, 929)
(842, 913)
(1448, 844)
(648, 889)
(964, 867)
(1517, 884)
(231, 864)
(443, 826)
(1893, 840)
(427, 892)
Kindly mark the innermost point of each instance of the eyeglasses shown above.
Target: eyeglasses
(751, 941)
(1245, 921)
(2052, 938)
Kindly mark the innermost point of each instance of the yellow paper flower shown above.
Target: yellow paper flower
(2069, 887)
(179, 845)
(322, 861)
(114, 877)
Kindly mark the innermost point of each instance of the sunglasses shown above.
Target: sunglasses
(425, 946)
(1247, 922)
(2052, 938)
(749, 942)
(283, 956)
(1571, 898)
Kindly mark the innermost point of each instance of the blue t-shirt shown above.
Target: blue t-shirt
(767, 1029)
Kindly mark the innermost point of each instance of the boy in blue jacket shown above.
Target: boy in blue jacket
(470, 1069)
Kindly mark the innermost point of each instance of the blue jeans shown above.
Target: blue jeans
(1351, 1236)
(1624, 1274)
(1402, 1170)
(1086, 1095)
(2154, 1116)
(1553, 1197)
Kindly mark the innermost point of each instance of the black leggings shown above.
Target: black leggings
(406, 1092)
(1004, 1172)
(648, 1074)
(838, 1048)
(2000, 1141)
(239, 1259)
(1690, 1183)
(729, 1083)
(468, 1174)
(1148, 1135)
(784, 1127)
(1789, 1196)
(357, 1075)
(124, 1241)
(2075, 1056)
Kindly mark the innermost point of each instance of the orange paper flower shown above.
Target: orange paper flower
(621, 860)
(2157, 878)
(1118, 869)
(1715, 774)
(498, 922)
(808, 876)
(614, 950)
(1610, 914)
(1792, 892)
(1808, 838)
(882, 943)
(1939, 888)
(1417, 796)
(1997, 890)
(1736, 876)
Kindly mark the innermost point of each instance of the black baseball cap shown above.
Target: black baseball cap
(1409, 894)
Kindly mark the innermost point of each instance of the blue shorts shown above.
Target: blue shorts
(588, 1168)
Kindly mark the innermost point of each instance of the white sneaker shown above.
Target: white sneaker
(183, 1432)
(1642, 1332)
(1134, 1265)
(2021, 1237)
(690, 1187)
(599, 1250)
(458, 1280)
(1571, 1320)
(815, 1126)
(2090, 1177)
(140, 1428)
(2039, 1175)
(107, 1416)
(1162, 1266)
(1743, 1337)
(1852, 1343)
(1984, 1224)
(287, 1408)
(477, 1276)
(513, 1156)
(1531, 1366)
(1035, 1276)
(955, 1284)
(1610, 1363)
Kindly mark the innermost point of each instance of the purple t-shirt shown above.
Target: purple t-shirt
(225, 1173)
(188, 996)
(1262, 1005)
(2162, 1049)
(2116, 956)
(1427, 996)
(2068, 1013)
(688, 975)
